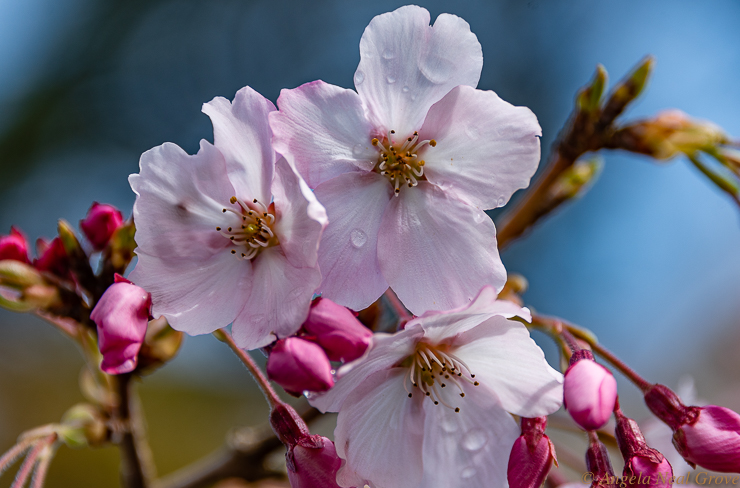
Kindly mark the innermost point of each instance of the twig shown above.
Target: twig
(132, 468)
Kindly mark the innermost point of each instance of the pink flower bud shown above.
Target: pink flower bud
(52, 257)
(100, 223)
(712, 440)
(589, 391)
(532, 455)
(599, 464)
(299, 365)
(643, 465)
(314, 467)
(122, 315)
(14, 246)
(336, 330)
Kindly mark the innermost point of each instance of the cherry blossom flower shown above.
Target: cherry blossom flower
(229, 234)
(418, 129)
(430, 406)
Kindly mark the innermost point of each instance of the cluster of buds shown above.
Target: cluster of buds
(303, 362)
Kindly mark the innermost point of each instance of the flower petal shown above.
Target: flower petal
(449, 250)
(380, 430)
(439, 327)
(406, 65)
(386, 351)
(196, 296)
(486, 148)
(354, 203)
(278, 302)
(507, 361)
(321, 129)
(300, 217)
(179, 202)
(470, 448)
(242, 133)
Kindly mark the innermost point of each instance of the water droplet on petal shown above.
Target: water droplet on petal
(358, 238)
(405, 89)
(257, 319)
(358, 150)
(501, 202)
(388, 54)
(390, 79)
(472, 132)
(449, 425)
(474, 440)
(359, 77)
(468, 473)
(436, 69)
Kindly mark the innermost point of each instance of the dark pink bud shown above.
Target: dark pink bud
(313, 467)
(532, 455)
(299, 365)
(14, 246)
(122, 315)
(598, 464)
(589, 391)
(52, 257)
(643, 465)
(336, 330)
(100, 223)
(712, 440)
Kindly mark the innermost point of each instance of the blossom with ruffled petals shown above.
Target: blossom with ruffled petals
(430, 406)
(418, 129)
(229, 234)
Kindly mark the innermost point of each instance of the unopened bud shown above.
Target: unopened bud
(52, 257)
(532, 455)
(313, 467)
(83, 425)
(589, 391)
(161, 344)
(41, 296)
(336, 330)
(576, 179)
(598, 464)
(18, 275)
(14, 246)
(299, 365)
(640, 461)
(589, 98)
(627, 90)
(122, 315)
(100, 224)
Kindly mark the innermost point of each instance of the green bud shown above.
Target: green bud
(589, 98)
(83, 425)
(41, 296)
(18, 275)
(69, 239)
(576, 179)
(161, 344)
(628, 90)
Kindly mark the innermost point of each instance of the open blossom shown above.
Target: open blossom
(229, 234)
(418, 129)
(430, 406)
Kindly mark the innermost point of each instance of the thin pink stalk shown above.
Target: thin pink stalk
(30, 462)
(12, 455)
(39, 476)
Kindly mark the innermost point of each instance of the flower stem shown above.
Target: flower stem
(132, 466)
(398, 307)
(561, 330)
(272, 398)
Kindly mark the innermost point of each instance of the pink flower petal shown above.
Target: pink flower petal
(354, 203)
(406, 65)
(179, 202)
(435, 251)
(278, 302)
(380, 431)
(241, 133)
(506, 361)
(300, 218)
(385, 351)
(486, 148)
(196, 296)
(321, 129)
(469, 448)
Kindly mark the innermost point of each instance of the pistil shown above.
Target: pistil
(254, 231)
(401, 164)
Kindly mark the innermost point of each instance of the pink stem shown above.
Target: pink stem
(39, 476)
(12, 455)
(30, 461)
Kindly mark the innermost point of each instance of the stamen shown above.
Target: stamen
(254, 232)
(432, 368)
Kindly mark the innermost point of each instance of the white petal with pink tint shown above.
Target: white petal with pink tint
(449, 250)
(508, 362)
(246, 146)
(380, 431)
(486, 147)
(406, 65)
(322, 130)
(300, 217)
(278, 302)
(355, 204)
(465, 449)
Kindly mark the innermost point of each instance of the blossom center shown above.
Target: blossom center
(253, 231)
(400, 162)
(432, 368)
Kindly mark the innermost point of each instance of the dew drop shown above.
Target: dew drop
(406, 89)
(449, 425)
(390, 79)
(358, 150)
(358, 238)
(468, 473)
(501, 201)
(359, 77)
(474, 440)
(388, 54)
(257, 319)
(472, 132)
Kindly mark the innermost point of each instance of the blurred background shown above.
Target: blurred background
(649, 259)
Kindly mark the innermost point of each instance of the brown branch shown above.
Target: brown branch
(133, 466)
